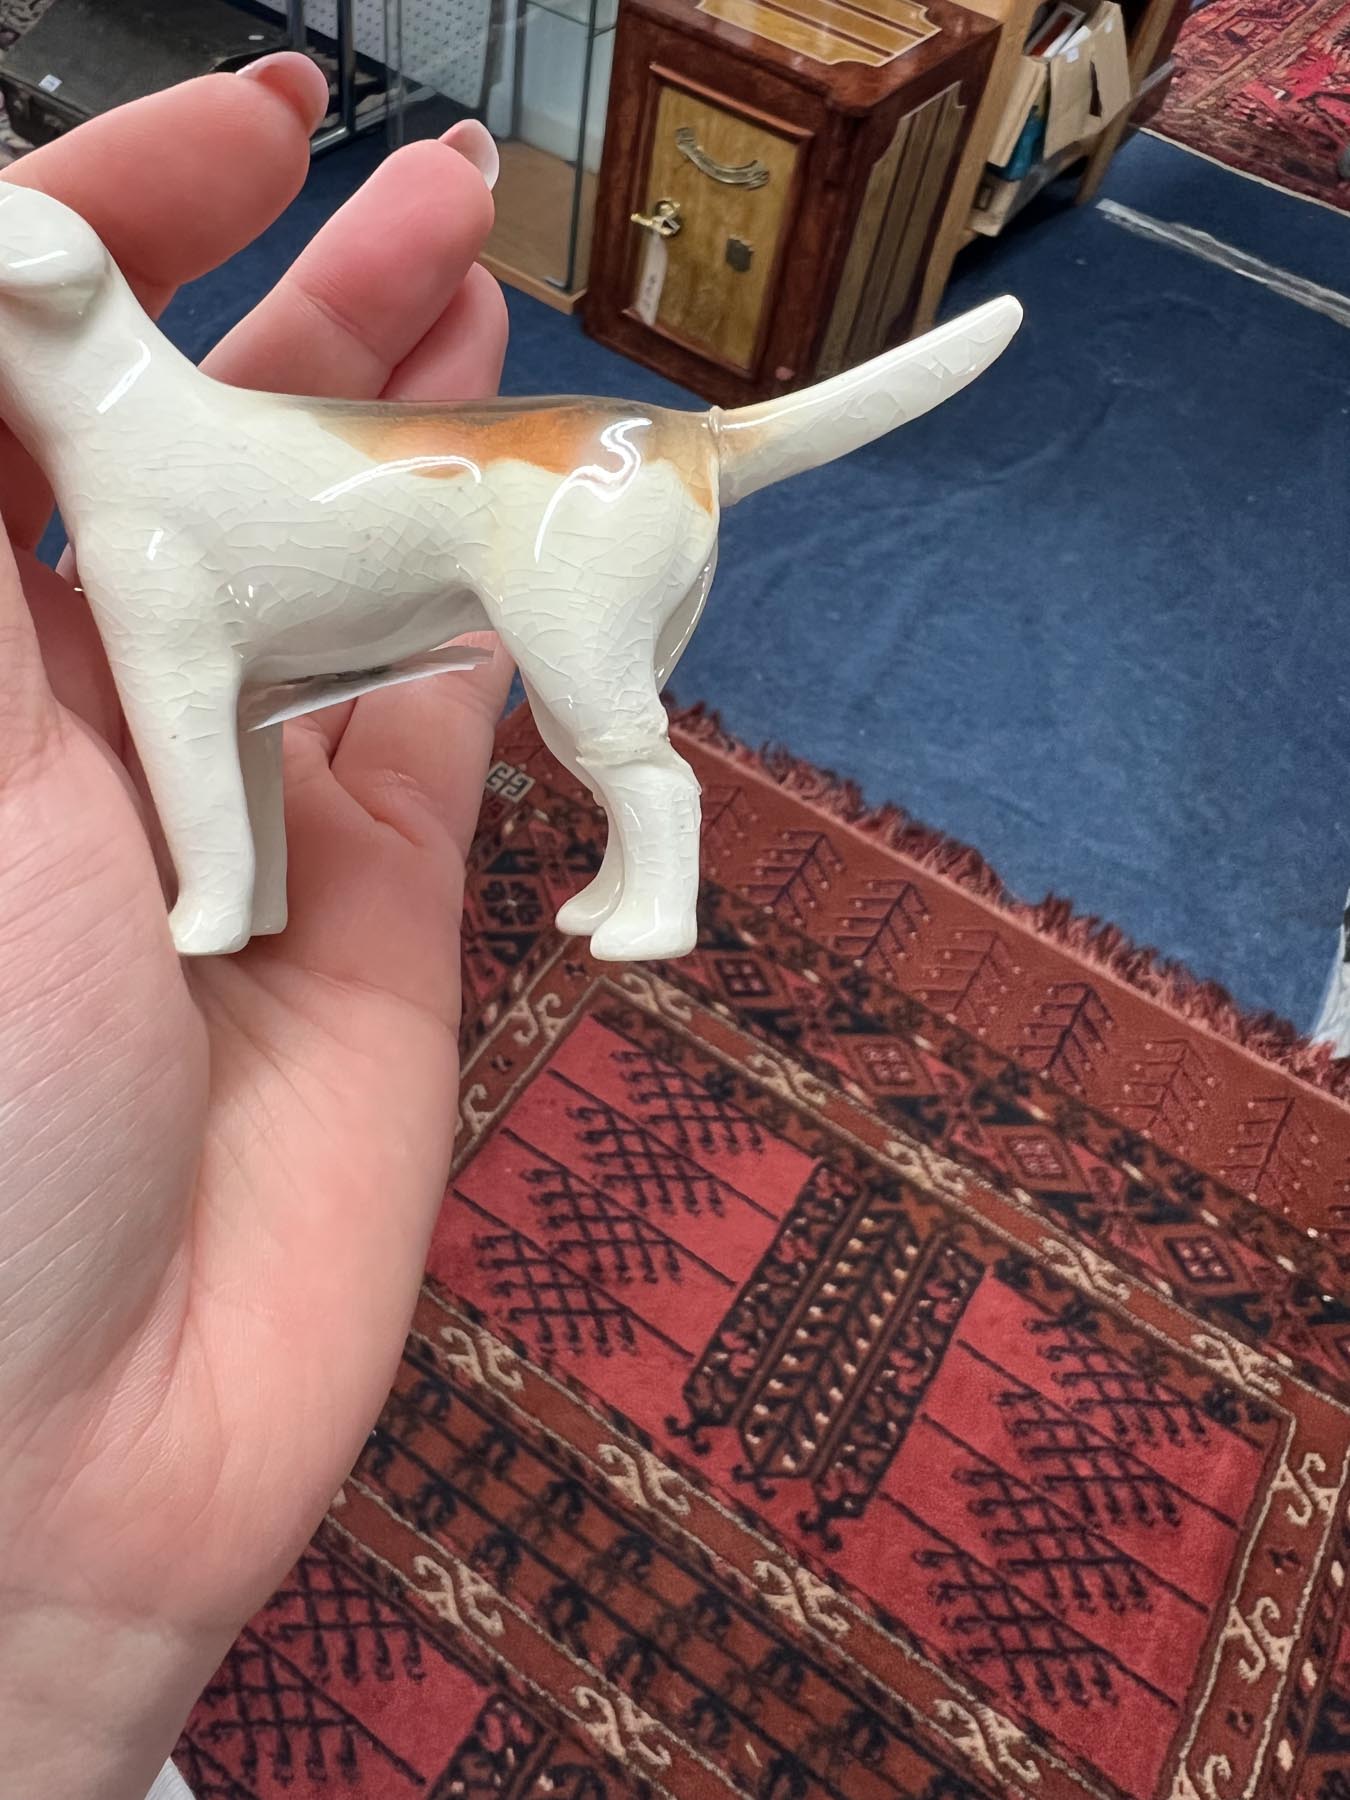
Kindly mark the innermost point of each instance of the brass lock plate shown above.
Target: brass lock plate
(662, 221)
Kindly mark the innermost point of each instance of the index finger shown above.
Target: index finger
(173, 185)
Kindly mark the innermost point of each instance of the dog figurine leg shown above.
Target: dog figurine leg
(653, 795)
(621, 744)
(579, 916)
(675, 795)
(260, 764)
(182, 709)
(585, 912)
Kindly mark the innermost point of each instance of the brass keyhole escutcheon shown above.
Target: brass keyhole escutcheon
(662, 221)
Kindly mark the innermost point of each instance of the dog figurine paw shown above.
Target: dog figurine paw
(249, 557)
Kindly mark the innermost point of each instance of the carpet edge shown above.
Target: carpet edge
(1095, 941)
(1265, 181)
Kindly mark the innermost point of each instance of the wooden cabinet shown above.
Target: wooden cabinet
(791, 160)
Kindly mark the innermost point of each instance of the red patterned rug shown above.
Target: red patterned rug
(1264, 85)
(900, 1350)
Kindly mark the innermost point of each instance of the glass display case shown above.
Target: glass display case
(537, 73)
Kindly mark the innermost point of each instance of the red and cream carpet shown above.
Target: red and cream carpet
(901, 1350)
(1264, 85)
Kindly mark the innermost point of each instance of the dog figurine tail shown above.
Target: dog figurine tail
(758, 445)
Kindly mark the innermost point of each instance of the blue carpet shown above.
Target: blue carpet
(1087, 617)
(1174, 185)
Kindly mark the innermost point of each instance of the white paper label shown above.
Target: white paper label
(50, 83)
(652, 280)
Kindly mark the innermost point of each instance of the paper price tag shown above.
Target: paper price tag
(652, 279)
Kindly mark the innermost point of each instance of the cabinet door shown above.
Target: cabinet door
(734, 176)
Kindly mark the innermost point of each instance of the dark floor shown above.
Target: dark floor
(1092, 616)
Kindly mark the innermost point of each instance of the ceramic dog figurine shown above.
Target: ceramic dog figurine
(250, 556)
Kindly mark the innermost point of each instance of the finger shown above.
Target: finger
(412, 755)
(473, 140)
(370, 285)
(444, 336)
(378, 842)
(173, 184)
(416, 185)
(178, 182)
(462, 353)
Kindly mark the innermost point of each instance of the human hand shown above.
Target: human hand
(219, 1177)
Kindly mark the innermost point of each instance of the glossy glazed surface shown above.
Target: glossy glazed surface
(251, 556)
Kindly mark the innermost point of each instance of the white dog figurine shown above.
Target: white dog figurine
(251, 556)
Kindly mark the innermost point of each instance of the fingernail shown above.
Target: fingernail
(475, 143)
(301, 83)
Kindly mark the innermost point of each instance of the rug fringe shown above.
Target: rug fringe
(1093, 940)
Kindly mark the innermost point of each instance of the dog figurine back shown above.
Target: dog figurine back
(252, 556)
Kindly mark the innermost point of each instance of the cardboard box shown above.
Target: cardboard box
(1077, 85)
(1110, 52)
(1068, 118)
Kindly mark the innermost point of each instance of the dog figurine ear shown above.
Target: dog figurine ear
(46, 250)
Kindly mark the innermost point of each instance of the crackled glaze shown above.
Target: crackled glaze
(252, 556)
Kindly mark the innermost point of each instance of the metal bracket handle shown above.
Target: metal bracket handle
(662, 221)
(746, 175)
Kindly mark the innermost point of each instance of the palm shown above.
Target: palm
(222, 1175)
(261, 1124)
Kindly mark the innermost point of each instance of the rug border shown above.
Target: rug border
(1207, 1004)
